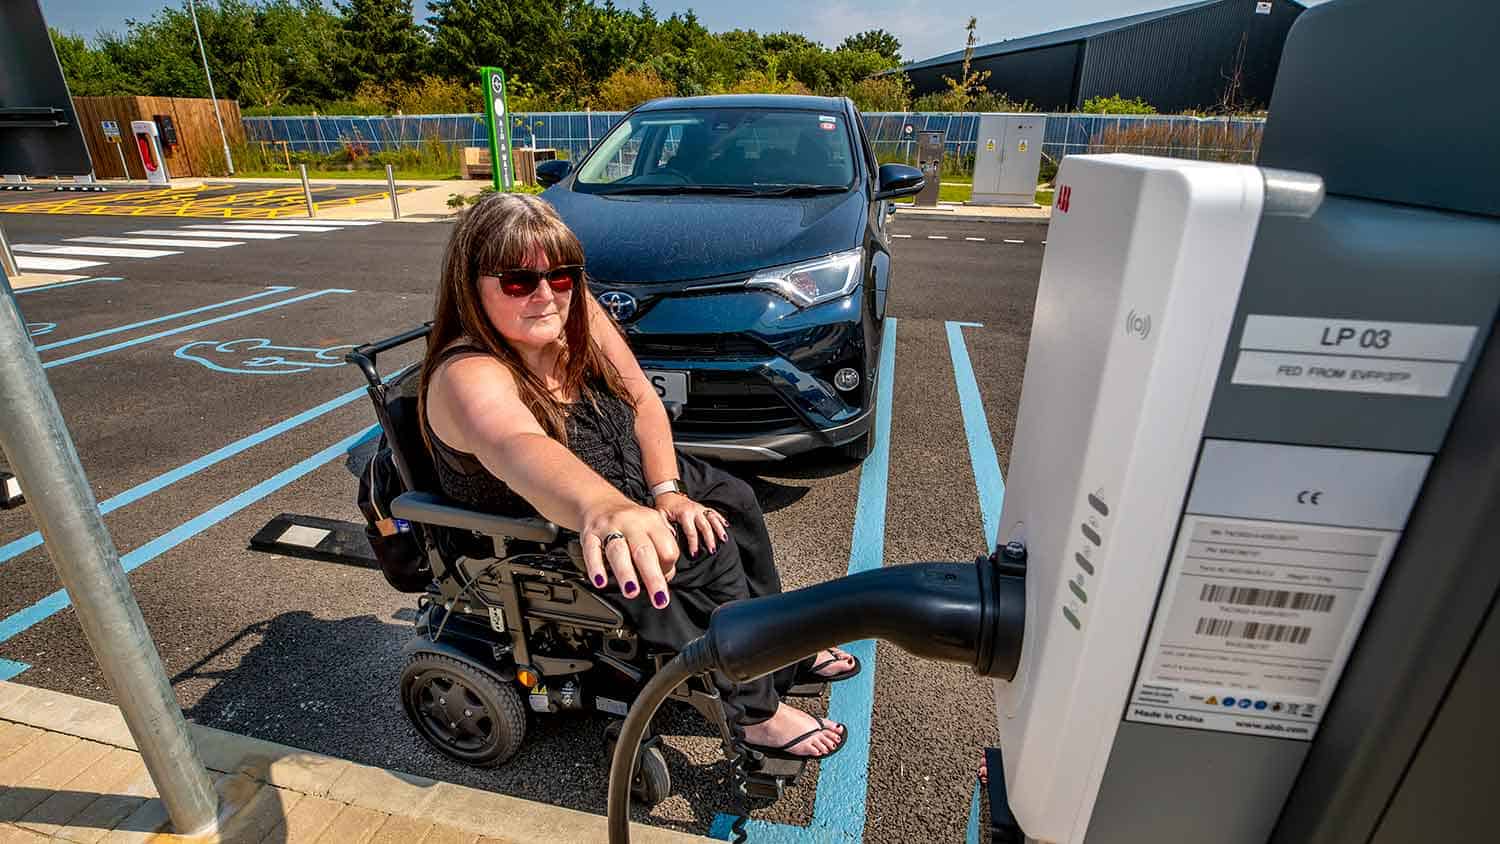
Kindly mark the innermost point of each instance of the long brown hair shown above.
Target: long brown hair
(500, 232)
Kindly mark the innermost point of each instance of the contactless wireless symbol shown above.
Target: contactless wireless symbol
(1138, 324)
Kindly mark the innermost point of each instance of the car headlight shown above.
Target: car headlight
(813, 282)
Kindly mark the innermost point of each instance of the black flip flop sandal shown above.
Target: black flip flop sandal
(811, 675)
(784, 751)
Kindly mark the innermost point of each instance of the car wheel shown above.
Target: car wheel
(462, 711)
(857, 450)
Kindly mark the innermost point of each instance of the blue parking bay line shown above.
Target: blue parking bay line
(31, 540)
(839, 808)
(971, 832)
(982, 457)
(10, 668)
(269, 291)
(20, 621)
(987, 480)
(200, 324)
(43, 287)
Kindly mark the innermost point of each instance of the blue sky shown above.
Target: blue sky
(923, 33)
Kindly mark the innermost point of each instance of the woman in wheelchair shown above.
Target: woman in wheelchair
(533, 405)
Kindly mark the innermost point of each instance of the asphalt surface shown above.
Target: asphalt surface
(307, 653)
(227, 200)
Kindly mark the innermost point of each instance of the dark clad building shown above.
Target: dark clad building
(1176, 59)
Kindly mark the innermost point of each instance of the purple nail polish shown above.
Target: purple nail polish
(630, 587)
(660, 600)
(598, 580)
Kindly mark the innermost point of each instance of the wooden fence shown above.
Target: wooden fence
(199, 150)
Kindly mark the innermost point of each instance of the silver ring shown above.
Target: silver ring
(610, 537)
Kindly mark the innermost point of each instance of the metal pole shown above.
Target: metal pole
(7, 260)
(306, 188)
(42, 456)
(124, 168)
(390, 181)
(228, 161)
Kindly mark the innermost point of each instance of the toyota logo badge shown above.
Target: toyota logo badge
(620, 305)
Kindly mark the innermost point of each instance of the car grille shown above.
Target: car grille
(718, 346)
(732, 403)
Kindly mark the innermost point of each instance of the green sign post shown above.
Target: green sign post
(492, 81)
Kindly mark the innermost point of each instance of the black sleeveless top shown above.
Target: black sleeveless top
(601, 432)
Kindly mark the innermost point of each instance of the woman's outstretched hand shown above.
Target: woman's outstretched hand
(700, 525)
(637, 545)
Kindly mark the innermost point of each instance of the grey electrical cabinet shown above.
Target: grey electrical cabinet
(1007, 158)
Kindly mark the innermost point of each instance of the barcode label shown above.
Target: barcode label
(1281, 633)
(1280, 599)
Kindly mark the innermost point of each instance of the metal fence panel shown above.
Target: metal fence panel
(573, 133)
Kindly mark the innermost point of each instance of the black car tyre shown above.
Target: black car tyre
(464, 712)
(858, 449)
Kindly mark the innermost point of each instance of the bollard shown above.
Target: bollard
(390, 181)
(42, 455)
(306, 189)
(7, 259)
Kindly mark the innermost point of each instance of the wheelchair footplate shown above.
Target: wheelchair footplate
(807, 690)
(763, 777)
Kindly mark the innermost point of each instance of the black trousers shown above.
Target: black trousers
(743, 567)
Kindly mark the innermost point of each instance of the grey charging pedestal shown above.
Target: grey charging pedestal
(1405, 749)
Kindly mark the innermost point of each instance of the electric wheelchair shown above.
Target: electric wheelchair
(506, 621)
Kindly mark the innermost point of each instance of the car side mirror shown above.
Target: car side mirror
(549, 173)
(897, 180)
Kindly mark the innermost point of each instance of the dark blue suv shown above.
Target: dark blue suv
(740, 241)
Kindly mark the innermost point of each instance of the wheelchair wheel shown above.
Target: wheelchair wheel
(462, 711)
(653, 782)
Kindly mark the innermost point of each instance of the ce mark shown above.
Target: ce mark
(1309, 496)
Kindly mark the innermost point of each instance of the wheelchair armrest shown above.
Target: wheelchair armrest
(430, 509)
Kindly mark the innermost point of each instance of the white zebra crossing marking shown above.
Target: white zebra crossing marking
(158, 241)
(36, 262)
(257, 227)
(975, 239)
(1008, 240)
(937, 237)
(92, 251)
(218, 233)
(279, 221)
(900, 235)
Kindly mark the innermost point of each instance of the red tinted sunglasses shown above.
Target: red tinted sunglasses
(520, 283)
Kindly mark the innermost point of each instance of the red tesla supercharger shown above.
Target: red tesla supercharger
(152, 161)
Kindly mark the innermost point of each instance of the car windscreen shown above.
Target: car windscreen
(721, 150)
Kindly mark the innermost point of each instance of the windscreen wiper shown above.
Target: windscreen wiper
(669, 190)
(801, 190)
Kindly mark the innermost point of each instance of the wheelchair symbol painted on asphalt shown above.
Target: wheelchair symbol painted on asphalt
(258, 356)
(37, 329)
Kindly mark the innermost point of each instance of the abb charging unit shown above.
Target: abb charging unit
(1255, 470)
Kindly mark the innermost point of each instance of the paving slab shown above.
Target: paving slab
(353, 825)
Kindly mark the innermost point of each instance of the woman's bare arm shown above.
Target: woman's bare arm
(473, 405)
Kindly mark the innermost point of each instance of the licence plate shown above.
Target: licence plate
(670, 386)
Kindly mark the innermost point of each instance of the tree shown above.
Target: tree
(885, 93)
(874, 41)
(89, 72)
(962, 92)
(521, 37)
(625, 89)
(381, 41)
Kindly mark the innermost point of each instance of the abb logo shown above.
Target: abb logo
(1064, 197)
